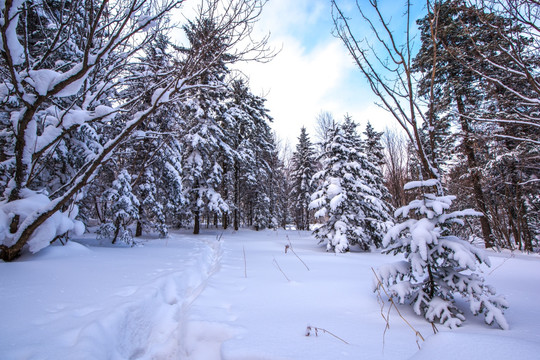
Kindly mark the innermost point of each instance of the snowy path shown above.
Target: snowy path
(103, 303)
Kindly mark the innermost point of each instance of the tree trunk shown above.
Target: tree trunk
(196, 226)
(236, 215)
(138, 230)
(468, 149)
(225, 220)
(116, 231)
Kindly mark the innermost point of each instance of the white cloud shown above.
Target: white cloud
(312, 73)
(298, 84)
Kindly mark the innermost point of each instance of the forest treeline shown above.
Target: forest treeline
(107, 123)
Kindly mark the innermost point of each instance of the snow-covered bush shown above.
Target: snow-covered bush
(437, 266)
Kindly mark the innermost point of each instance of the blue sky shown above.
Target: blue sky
(312, 73)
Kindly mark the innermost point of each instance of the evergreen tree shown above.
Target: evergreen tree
(372, 145)
(151, 213)
(277, 188)
(303, 169)
(204, 139)
(437, 265)
(124, 209)
(247, 123)
(350, 194)
(151, 154)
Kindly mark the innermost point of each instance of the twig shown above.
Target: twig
(289, 246)
(275, 262)
(245, 262)
(512, 255)
(309, 329)
(393, 304)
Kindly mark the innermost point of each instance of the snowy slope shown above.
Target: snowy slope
(188, 297)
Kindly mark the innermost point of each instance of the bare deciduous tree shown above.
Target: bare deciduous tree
(48, 98)
(387, 66)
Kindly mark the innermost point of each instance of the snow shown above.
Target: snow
(13, 44)
(30, 207)
(160, 95)
(421, 183)
(192, 297)
(44, 80)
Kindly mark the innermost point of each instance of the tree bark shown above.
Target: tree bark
(468, 149)
(116, 231)
(138, 229)
(225, 220)
(196, 226)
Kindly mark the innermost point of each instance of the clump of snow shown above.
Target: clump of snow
(421, 183)
(16, 50)
(44, 80)
(161, 96)
(31, 205)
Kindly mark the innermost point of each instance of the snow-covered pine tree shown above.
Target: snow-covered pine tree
(347, 196)
(438, 266)
(303, 170)
(378, 211)
(247, 123)
(372, 145)
(205, 142)
(151, 211)
(277, 188)
(152, 153)
(124, 210)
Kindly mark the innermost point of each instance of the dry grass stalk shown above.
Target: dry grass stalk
(512, 255)
(245, 262)
(393, 305)
(316, 330)
(276, 263)
(289, 246)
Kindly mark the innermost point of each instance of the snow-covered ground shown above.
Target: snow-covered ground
(194, 297)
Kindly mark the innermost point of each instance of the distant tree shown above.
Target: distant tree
(372, 145)
(278, 187)
(349, 197)
(323, 128)
(395, 167)
(124, 208)
(246, 120)
(302, 171)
